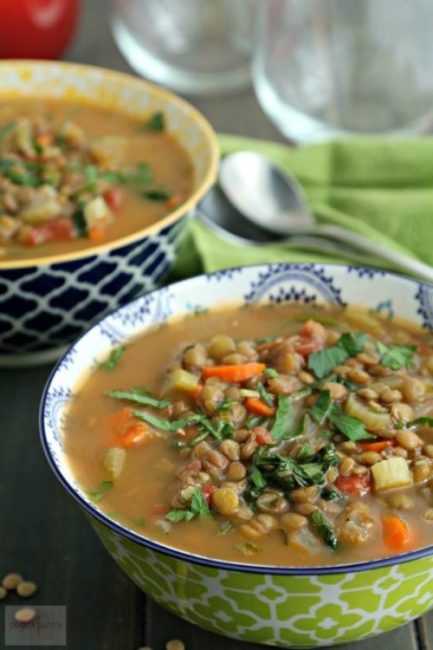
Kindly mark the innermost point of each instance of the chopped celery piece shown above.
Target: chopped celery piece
(114, 461)
(180, 379)
(391, 473)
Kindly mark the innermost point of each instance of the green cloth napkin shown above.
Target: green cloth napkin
(380, 187)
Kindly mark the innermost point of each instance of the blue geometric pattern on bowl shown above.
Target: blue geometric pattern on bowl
(43, 307)
(294, 607)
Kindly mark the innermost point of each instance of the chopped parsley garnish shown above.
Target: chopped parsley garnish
(156, 195)
(225, 528)
(156, 122)
(322, 407)
(324, 528)
(100, 491)
(80, 222)
(284, 418)
(348, 425)
(140, 396)
(331, 494)
(247, 548)
(266, 397)
(167, 425)
(198, 506)
(396, 357)
(423, 420)
(323, 361)
(113, 359)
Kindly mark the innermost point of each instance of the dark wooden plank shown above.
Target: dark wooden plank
(44, 535)
(161, 626)
(425, 631)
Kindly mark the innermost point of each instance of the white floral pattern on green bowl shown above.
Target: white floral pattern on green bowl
(275, 605)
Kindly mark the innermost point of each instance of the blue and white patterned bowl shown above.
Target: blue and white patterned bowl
(288, 607)
(47, 302)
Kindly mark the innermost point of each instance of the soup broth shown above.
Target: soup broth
(72, 176)
(284, 435)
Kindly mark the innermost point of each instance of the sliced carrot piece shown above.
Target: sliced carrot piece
(174, 201)
(159, 509)
(97, 234)
(397, 535)
(126, 431)
(197, 391)
(45, 139)
(379, 446)
(235, 373)
(353, 484)
(256, 405)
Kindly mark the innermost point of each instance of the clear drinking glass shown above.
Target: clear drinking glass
(192, 46)
(327, 67)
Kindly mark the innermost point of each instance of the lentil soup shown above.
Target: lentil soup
(72, 176)
(274, 435)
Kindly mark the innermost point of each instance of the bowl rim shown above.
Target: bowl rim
(194, 558)
(156, 91)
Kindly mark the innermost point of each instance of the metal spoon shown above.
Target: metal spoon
(220, 216)
(274, 201)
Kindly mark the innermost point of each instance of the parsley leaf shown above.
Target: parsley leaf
(323, 361)
(348, 425)
(198, 506)
(399, 356)
(266, 397)
(324, 528)
(156, 195)
(113, 359)
(156, 122)
(225, 528)
(423, 420)
(100, 491)
(322, 407)
(140, 396)
(167, 425)
(331, 494)
(284, 418)
(257, 478)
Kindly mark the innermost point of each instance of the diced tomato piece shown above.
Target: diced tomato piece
(114, 198)
(353, 484)
(207, 491)
(311, 329)
(306, 347)
(56, 230)
(264, 438)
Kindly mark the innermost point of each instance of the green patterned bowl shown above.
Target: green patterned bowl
(284, 606)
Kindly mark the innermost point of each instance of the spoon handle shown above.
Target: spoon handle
(362, 243)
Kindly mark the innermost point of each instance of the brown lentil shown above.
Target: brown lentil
(369, 458)
(402, 411)
(236, 471)
(26, 589)
(358, 376)
(11, 581)
(230, 448)
(225, 501)
(25, 615)
(390, 396)
(408, 440)
(248, 449)
(293, 521)
(305, 494)
(367, 393)
(413, 389)
(175, 644)
(346, 466)
(337, 391)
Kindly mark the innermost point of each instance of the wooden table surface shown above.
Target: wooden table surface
(42, 532)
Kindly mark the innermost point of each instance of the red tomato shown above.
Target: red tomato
(57, 230)
(264, 439)
(114, 198)
(207, 491)
(36, 29)
(353, 484)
